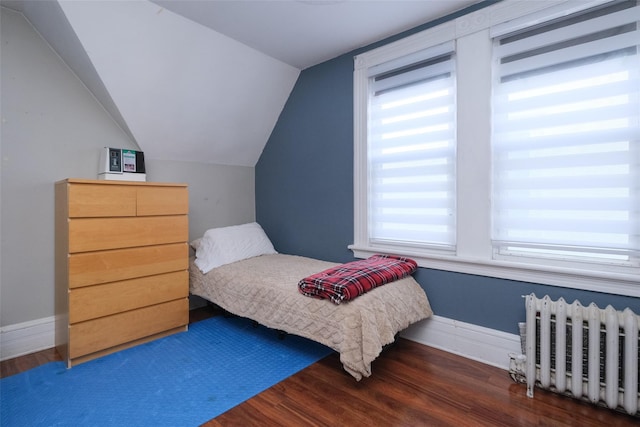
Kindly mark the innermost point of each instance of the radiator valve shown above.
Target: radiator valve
(517, 363)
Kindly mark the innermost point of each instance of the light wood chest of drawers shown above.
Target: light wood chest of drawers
(121, 261)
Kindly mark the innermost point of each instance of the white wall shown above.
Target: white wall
(52, 129)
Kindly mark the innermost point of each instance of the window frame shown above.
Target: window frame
(474, 254)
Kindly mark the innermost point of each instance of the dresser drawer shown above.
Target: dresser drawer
(110, 266)
(95, 200)
(162, 201)
(99, 334)
(91, 302)
(94, 234)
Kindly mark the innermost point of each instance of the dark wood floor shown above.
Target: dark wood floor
(412, 385)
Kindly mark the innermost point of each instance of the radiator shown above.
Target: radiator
(585, 352)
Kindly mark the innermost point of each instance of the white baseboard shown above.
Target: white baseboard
(471, 341)
(28, 337)
(485, 345)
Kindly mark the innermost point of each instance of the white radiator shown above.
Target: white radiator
(586, 352)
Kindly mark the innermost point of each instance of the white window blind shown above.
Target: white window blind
(411, 150)
(566, 137)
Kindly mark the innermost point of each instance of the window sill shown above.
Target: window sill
(597, 281)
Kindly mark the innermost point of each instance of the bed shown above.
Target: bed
(264, 288)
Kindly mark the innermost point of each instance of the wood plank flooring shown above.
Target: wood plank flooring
(412, 385)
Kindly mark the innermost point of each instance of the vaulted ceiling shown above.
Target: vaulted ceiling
(205, 80)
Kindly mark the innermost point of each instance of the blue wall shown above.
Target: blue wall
(304, 179)
(304, 199)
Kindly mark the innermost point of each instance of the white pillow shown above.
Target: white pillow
(220, 246)
(196, 243)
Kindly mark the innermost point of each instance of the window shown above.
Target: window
(411, 149)
(565, 142)
(542, 175)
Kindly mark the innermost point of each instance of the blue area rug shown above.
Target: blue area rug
(181, 380)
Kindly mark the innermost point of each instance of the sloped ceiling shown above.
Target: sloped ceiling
(186, 92)
(206, 80)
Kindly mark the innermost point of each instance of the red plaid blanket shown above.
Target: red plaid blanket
(347, 281)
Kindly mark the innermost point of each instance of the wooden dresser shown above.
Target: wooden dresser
(121, 261)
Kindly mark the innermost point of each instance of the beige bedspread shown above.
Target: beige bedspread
(265, 289)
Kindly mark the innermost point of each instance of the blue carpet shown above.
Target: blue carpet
(181, 380)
